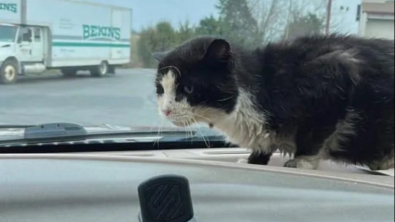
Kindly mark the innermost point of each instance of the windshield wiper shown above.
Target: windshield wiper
(206, 136)
(70, 132)
(68, 137)
(47, 133)
(10, 126)
(54, 130)
(195, 137)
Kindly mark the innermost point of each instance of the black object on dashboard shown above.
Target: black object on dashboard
(166, 198)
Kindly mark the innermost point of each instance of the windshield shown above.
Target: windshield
(96, 66)
(7, 33)
(98, 96)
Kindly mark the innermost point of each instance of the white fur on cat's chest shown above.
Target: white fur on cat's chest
(259, 140)
(246, 128)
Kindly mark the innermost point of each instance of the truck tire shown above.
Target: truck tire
(9, 72)
(101, 70)
(69, 72)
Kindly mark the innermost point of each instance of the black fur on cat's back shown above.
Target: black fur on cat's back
(335, 92)
(314, 83)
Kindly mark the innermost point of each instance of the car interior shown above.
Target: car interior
(104, 186)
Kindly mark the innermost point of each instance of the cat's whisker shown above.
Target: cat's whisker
(155, 126)
(203, 137)
(208, 111)
(202, 103)
(190, 129)
(151, 130)
(206, 142)
(174, 67)
(226, 99)
(159, 132)
(179, 116)
(187, 132)
(203, 117)
(157, 140)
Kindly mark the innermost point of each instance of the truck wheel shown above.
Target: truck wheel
(69, 72)
(101, 70)
(9, 72)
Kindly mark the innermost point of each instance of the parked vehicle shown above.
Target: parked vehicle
(72, 39)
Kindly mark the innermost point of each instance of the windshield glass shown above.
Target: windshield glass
(7, 33)
(100, 69)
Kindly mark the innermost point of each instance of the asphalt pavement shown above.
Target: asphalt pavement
(126, 99)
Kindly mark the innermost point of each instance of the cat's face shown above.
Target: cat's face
(195, 83)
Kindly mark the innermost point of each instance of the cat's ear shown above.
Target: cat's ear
(219, 51)
(160, 55)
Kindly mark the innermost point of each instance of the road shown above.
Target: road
(127, 99)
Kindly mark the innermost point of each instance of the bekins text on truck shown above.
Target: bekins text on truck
(11, 7)
(68, 35)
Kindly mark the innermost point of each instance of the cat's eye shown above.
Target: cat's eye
(159, 89)
(188, 89)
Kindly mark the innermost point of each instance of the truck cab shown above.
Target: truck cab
(22, 49)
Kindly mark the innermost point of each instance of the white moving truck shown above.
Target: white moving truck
(67, 35)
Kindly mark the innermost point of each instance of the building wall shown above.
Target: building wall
(380, 28)
(375, 1)
(377, 20)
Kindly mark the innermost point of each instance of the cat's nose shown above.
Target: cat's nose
(166, 112)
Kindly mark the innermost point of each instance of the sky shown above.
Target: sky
(149, 12)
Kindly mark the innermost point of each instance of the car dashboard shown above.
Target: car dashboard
(103, 187)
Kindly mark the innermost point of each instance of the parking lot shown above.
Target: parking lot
(127, 99)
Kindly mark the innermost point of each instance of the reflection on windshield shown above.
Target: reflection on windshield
(7, 33)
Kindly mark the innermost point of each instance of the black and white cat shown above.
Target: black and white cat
(319, 97)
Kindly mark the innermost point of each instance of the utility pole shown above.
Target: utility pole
(328, 17)
(288, 20)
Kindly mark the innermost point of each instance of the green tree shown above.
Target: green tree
(162, 37)
(310, 24)
(165, 36)
(210, 26)
(145, 45)
(185, 32)
(237, 22)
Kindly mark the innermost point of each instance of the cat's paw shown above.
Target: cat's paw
(302, 163)
(242, 161)
(382, 165)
